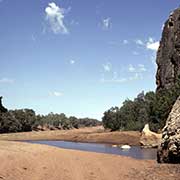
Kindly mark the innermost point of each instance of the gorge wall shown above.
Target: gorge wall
(168, 74)
(169, 149)
(168, 55)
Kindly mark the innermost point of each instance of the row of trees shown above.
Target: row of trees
(152, 108)
(26, 120)
(61, 121)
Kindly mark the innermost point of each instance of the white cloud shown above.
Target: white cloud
(114, 79)
(107, 67)
(131, 68)
(115, 75)
(56, 93)
(152, 45)
(150, 40)
(139, 42)
(72, 62)
(106, 23)
(55, 18)
(120, 80)
(33, 37)
(142, 68)
(73, 22)
(138, 69)
(135, 53)
(125, 41)
(133, 72)
(136, 76)
(153, 60)
(6, 81)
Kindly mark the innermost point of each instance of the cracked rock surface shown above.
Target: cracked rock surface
(168, 55)
(169, 150)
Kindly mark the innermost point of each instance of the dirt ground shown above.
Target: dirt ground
(95, 134)
(24, 161)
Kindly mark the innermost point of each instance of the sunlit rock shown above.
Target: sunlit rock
(169, 149)
(149, 139)
(125, 147)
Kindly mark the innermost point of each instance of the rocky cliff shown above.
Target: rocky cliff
(169, 150)
(168, 55)
(168, 74)
(2, 108)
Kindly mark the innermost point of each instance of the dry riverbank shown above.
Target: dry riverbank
(95, 135)
(23, 161)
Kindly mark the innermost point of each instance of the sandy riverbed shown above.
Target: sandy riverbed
(23, 161)
(95, 135)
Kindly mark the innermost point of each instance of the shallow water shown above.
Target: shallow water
(135, 151)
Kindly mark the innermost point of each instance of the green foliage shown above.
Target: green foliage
(26, 117)
(152, 108)
(60, 121)
(161, 106)
(26, 120)
(111, 119)
(8, 123)
(74, 121)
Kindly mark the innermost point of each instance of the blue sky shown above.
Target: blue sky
(78, 57)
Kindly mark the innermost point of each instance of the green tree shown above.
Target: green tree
(26, 117)
(74, 121)
(8, 123)
(111, 119)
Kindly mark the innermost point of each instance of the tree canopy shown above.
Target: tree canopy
(23, 120)
(152, 108)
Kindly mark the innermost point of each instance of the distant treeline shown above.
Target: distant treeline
(26, 120)
(152, 108)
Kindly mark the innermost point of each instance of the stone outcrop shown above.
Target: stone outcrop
(168, 55)
(2, 108)
(168, 74)
(149, 139)
(169, 149)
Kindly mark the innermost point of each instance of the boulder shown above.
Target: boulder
(169, 149)
(149, 139)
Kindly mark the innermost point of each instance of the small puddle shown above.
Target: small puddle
(135, 151)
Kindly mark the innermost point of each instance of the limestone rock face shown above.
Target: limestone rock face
(168, 55)
(169, 150)
(149, 139)
(2, 108)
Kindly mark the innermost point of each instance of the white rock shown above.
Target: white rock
(125, 147)
(114, 145)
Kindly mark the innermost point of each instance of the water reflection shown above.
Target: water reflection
(135, 151)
